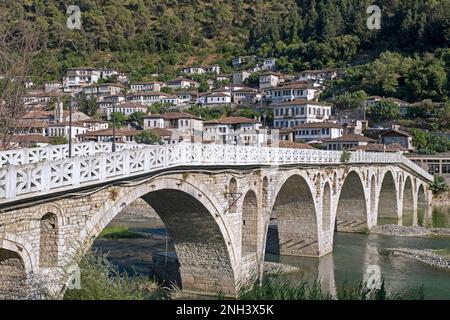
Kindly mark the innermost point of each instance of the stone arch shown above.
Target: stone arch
(296, 231)
(326, 207)
(13, 276)
(232, 192)
(388, 206)
(408, 202)
(193, 219)
(249, 224)
(352, 213)
(48, 243)
(422, 205)
(373, 194)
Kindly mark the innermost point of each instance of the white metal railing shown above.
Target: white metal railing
(33, 155)
(51, 176)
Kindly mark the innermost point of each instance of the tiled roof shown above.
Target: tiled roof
(230, 120)
(172, 116)
(319, 125)
(351, 138)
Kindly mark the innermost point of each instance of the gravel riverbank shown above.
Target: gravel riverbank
(409, 231)
(427, 256)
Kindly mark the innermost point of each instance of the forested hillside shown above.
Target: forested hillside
(156, 36)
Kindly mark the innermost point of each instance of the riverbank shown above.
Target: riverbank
(409, 231)
(435, 258)
(441, 200)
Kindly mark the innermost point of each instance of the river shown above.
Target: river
(355, 257)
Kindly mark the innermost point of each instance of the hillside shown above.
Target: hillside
(154, 36)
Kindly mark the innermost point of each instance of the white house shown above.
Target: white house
(171, 99)
(317, 131)
(52, 86)
(291, 91)
(296, 112)
(185, 123)
(217, 98)
(270, 80)
(76, 78)
(240, 77)
(318, 75)
(109, 101)
(182, 83)
(194, 70)
(245, 96)
(146, 87)
(146, 98)
(104, 89)
(126, 108)
(108, 73)
(347, 142)
(63, 129)
(269, 64)
(215, 68)
(234, 130)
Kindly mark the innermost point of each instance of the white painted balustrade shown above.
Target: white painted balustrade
(94, 165)
(32, 155)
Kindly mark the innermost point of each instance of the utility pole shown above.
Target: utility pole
(114, 128)
(70, 129)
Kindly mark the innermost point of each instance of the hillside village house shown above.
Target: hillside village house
(108, 73)
(76, 78)
(146, 98)
(347, 142)
(63, 130)
(181, 124)
(182, 83)
(121, 135)
(187, 97)
(269, 64)
(215, 68)
(397, 136)
(240, 77)
(234, 130)
(126, 108)
(109, 101)
(296, 112)
(104, 89)
(52, 86)
(317, 131)
(245, 96)
(40, 97)
(172, 100)
(291, 91)
(146, 87)
(318, 75)
(217, 98)
(194, 70)
(270, 80)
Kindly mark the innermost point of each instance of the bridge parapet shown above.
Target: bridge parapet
(33, 155)
(52, 176)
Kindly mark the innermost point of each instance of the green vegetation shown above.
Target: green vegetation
(86, 104)
(439, 185)
(58, 140)
(137, 117)
(430, 143)
(119, 232)
(385, 110)
(280, 286)
(346, 156)
(118, 119)
(148, 137)
(101, 280)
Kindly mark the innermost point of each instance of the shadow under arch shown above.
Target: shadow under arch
(408, 203)
(293, 228)
(201, 240)
(422, 206)
(351, 213)
(387, 200)
(13, 276)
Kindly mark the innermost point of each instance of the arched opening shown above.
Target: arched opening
(351, 214)
(293, 228)
(387, 201)
(232, 195)
(326, 207)
(408, 203)
(186, 246)
(265, 192)
(249, 223)
(13, 278)
(422, 206)
(48, 246)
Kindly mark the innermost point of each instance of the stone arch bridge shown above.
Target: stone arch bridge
(217, 202)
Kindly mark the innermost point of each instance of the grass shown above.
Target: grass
(281, 287)
(101, 280)
(119, 232)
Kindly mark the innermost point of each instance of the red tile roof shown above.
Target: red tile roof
(231, 120)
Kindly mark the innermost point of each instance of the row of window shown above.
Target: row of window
(290, 92)
(313, 132)
(301, 111)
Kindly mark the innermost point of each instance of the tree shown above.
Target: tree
(86, 104)
(385, 110)
(58, 140)
(137, 117)
(118, 118)
(351, 100)
(148, 137)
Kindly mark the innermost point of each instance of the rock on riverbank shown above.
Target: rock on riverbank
(409, 231)
(274, 267)
(426, 256)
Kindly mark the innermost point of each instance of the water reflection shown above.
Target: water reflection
(430, 218)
